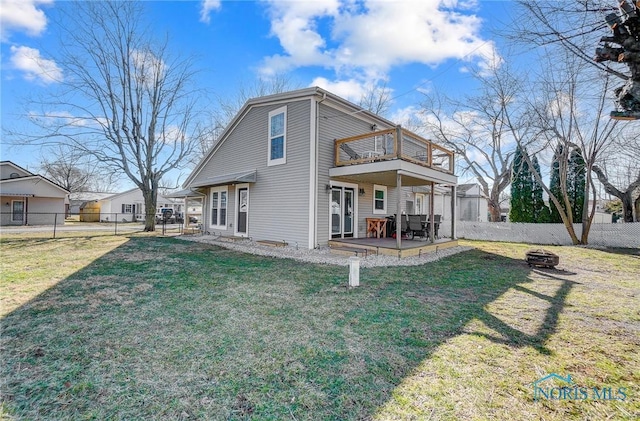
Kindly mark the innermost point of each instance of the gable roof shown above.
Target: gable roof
(7, 181)
(88, 196)
(113, 196)
(278, 98)
(17, 167)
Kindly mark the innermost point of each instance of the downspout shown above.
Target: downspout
(317, 150)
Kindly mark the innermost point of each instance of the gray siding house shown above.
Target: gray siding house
(307, 166)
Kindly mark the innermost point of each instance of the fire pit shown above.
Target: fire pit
(542, 258)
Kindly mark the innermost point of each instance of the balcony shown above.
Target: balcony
(392, 144)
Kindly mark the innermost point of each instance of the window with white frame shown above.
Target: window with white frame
(379, 199)
(127, 208)
(219, 207)
(278, 136)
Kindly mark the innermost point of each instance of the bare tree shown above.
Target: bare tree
(476, 128)
(76, 171)
(567, 110)
(577, 27)
(376, 98)
(65, 170)
(619, 172)
(125, 99)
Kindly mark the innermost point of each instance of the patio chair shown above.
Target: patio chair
(353, 155)
(404, 226)
(415, 227)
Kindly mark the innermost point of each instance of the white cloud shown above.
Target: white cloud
(295, 23)
(171, 134)
(66, 119)
(29, 61)
(372, 36)
(22, 15)
(207, 6)
(148, 68)
(351, 89)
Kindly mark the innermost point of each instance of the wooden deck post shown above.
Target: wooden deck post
(398, 141)
(432, 218)
(398, 214)
(454, 234)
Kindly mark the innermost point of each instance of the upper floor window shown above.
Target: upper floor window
(278, 136)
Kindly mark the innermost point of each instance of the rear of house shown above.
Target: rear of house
(279, 171)
(256, 180)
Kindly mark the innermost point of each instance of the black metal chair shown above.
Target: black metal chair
(404, 225)
(415, 227)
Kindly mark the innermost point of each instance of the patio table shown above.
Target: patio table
(377, 227)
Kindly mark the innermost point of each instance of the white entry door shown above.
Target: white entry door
(242, 213)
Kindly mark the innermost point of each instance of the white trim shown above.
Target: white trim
(355, 205)
(283, 160)
(236, 208)
(219, 189)
(313, 180)
(405, 168)
(385, 200)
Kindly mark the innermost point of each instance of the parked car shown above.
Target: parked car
(167, 216)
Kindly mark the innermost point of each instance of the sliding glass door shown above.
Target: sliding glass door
(342, 212)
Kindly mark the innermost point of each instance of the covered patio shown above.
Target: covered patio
(397, 158)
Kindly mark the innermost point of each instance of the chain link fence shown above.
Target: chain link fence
(57, 225)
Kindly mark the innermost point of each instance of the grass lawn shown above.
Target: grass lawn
(145, 327)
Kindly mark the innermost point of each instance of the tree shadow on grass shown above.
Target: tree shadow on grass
(161, 328)
(514, 337)
(633, 252)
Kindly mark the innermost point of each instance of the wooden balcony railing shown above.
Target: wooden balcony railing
(396, 143)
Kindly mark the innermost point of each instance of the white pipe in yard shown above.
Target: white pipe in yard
(354, 271)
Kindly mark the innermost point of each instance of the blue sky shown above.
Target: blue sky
(341, 45)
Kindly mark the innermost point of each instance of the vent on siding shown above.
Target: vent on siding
(14, 175)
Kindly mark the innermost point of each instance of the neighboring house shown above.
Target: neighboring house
(417, 201)
(128, 206)
(601, 216)
(307, 166)
(472, 203)
(29, 199)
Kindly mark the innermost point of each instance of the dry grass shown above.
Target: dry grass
(156, 328)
